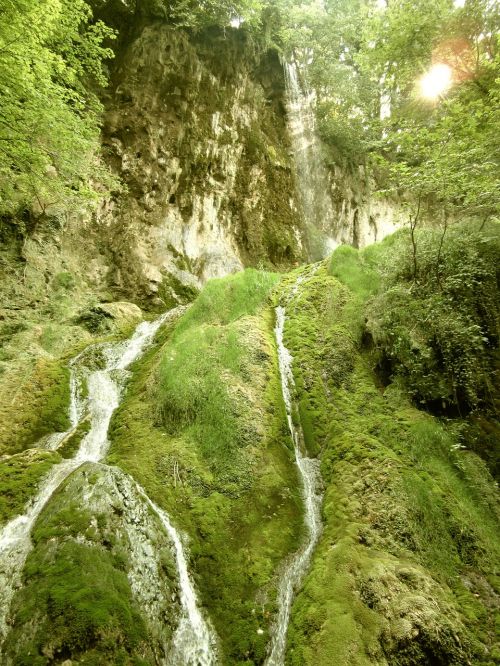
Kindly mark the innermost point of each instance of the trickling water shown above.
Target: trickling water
(76, 405)
(311, 174)
(311, 483)
(193, 638)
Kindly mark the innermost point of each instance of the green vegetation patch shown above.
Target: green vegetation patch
(86, 608)
(80, 603)
(432, 321)
(37, 406)
(405, 570)
(20, 475)
(76, 601)
(203, 429)
(70, 444)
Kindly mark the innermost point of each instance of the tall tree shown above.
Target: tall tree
(51, 65)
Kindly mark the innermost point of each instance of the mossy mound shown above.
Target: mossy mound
(100, 586)
(20, 476)
(410, 518)
(203, 429)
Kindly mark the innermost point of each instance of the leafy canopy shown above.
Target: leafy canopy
(447, 149)
(51, 61)
(196, 15)
(365, 59)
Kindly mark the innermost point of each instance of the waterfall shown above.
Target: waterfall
(310, 477)
(311, 174)
(193, 639)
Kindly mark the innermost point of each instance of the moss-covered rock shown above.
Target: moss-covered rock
(408, 515)
(203, 429)
(20, 476)
(101, 584)
(37, 406)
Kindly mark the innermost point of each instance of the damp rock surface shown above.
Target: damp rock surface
(103, 553)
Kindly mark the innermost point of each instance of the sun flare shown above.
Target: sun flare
(436, 81)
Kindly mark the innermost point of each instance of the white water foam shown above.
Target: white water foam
(193, 642)
(297, 566)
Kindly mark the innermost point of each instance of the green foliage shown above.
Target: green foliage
(207, 344)
(327, 37)
(363, 59)
(51, 62)
(439, 333)
(192, 14)
(203, 429)
(402, 36)
(191, 395)
(444, 150)
(351, 268)
(403, 570)
(225, 300)
(362, 272)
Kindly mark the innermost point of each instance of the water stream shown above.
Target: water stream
(193, 639)
(308, 468)
(311, 175)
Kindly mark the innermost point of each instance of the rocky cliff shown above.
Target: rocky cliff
(196, 129)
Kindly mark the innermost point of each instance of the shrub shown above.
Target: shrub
(438, 331)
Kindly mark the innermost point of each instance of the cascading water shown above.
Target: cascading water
(193, 639)
(76, 408)
(311, 484)
(311, 174)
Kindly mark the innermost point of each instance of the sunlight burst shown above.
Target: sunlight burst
(436, 81)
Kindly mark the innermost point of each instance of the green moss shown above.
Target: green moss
(410, 519)
(85, 606)
(76, 600)
(173, 292)
(64, 280)
(20, 475)
(266, 230)
(39, 406)
(350, 267)
(9, 329)
(203, 429)
(227, 299)
(69, 446)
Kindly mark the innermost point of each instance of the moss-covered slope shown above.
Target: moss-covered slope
(405, 571)
(202, 427)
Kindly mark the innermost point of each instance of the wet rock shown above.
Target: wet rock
(123, 314)
(114, 317)
(98, 516)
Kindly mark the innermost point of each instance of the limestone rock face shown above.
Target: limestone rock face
(124, 313)
(361, 217)
(197, 132)
(117, 317)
